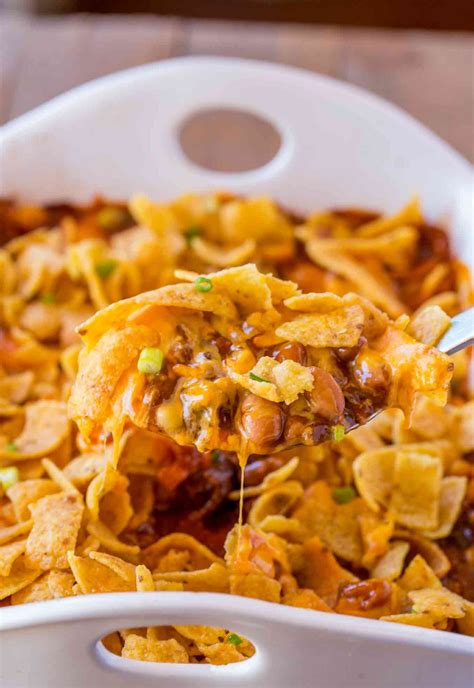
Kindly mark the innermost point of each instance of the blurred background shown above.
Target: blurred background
(418, 54)
(423, 14)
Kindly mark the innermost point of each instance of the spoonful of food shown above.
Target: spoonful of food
(242, 361)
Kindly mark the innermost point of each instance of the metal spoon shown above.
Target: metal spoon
(460, 334)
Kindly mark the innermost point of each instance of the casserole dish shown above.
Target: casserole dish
(119, 135)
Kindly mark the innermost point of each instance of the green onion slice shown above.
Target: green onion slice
(203, 284)
(234, 639)
(105, 268)
(8, 477)
(150, 361)
(252, 376)
(191, 233)
(48, 298)
(337, 433)
(343, 495)
(12, 447)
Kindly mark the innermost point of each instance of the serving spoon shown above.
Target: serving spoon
(460, 333)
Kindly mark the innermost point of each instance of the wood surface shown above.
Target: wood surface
(445, 15)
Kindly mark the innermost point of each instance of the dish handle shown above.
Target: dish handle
(63, 641)
(301, 648)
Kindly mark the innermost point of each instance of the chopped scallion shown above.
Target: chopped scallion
(150, 361)
(252, 376)
(8, 477)
(48, 298)
(12, 447)
(337, 433)
(105, 268)
(203, 284)
(191, 233)
(215, 455)
(343, 495)
(234, 639)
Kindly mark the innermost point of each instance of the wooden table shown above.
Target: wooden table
(428, 74)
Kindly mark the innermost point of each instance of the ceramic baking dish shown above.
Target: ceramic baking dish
(340, 147)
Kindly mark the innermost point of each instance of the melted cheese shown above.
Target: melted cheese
(241, 499)
(243, 456)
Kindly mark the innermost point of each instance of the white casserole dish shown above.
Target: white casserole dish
(340, 147)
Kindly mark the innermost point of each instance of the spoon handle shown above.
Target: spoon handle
(460, 334)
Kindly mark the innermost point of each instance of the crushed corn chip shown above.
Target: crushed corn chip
(56, 522)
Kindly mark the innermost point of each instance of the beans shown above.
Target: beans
(291, 351)
(359, 406)
(432, 242)
(263, 421)
(349, 353)
(326, 398)
(366, 594)
(370, 371)
(297, 429)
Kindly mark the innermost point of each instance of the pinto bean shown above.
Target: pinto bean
(291, 351)
(326, 398)
(433, 241)
(262, 420)
(349, 353)
(297, 429)
(366, 594)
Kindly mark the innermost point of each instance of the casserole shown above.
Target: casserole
(339, 145)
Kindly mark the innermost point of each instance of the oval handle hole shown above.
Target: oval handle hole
(179, 644)
(228, 140)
